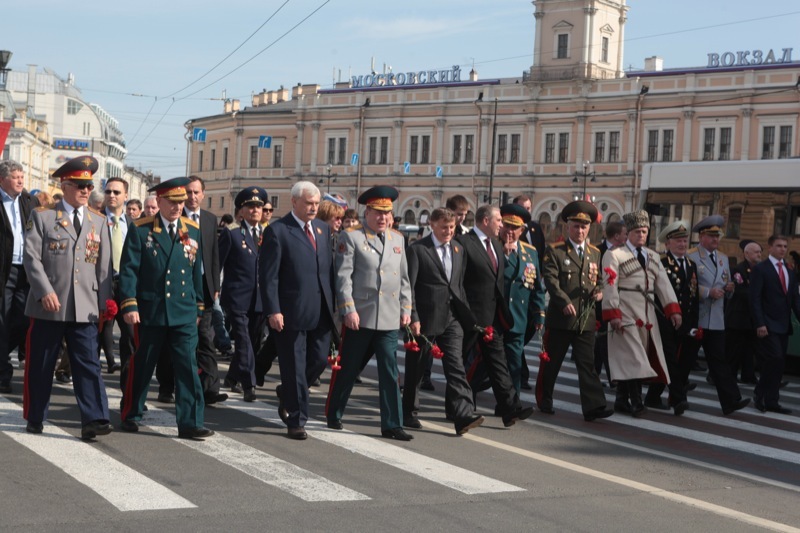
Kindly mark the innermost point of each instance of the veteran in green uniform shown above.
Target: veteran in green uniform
(374, 298)
(161, 294)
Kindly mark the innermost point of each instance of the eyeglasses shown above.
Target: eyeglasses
(269, 209)
(112, 191)
(81, 186)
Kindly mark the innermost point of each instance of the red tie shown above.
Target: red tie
(310, 235)
(782, 276)
(492, 258)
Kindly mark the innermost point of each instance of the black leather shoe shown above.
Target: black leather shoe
(34, 428)
(358, 380)
(195, 433)
(740, 404)
(520, 414)
(471, 422)
(166, 398)
(691, 386)
(129, 426)
(638, 411)
(232, 385)
(214, 397)
(412, 422)
(783, 384)
(679, 408)
(91, 430)
(396, 434)
(5, 387)
(335, 424)
(656, 404)
(623, 407)
(777, 408)
(709, 379)
(250, 394)
(64, 378)
(282, 412)
(603, 412)
(547, 409)
(316, 383)
(427, 385)
(759, 404)
(114, 368)
(297, 433)
(526, 385)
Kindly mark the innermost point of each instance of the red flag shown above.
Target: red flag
(5, 127)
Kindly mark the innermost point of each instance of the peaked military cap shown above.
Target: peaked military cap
(379, 198)
(711, 225)
(250, 195)
(174, 189)
(77, 169)
(676, 230)
(580, 211)
(515, 215)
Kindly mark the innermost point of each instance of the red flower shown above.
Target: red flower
(109, 314)
(612, 276)
(639, 323)
(334, 361)
(488, 334)
(411, 346)
(698, 335)
(597, 325)
(544, 357)
(648, 326)
(436, 352)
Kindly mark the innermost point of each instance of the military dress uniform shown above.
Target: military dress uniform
(371, 280)
(67, 253)
(160, 279)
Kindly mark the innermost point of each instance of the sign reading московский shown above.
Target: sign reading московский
(423, 77)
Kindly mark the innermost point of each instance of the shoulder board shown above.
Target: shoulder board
(189, 222)
(44, 208)
(234, 226)
(593, 247)
(662, 255)
(353, 228)
(524, 244)
(144, 220)
(398, 232)
(561, 244)
(692, 250)
(96, 212)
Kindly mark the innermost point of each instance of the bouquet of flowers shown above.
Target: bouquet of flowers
(334, 358)
(588, 309)
(413, 346)
(109, 314)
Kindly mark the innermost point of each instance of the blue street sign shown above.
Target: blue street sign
(199, 135)
(354, 160)
(439, 172)
(264, 141)
(406, 168)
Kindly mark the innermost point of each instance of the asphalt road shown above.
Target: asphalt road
(698, 472)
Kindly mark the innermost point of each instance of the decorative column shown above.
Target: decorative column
(298, 149)
(440, 123)
(687, 135)
(579, 142)
(314, 146)
(531, 143)
(486, 142)
(398, 143)
(537, 41)
(632, 123)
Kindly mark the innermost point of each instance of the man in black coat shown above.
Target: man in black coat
(436, 272)
(17, 207)
(484, 287)
(740, 333)
(773, 297)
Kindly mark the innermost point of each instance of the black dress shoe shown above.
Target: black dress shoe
(166, 397)
(759, 404)
(282, 412)
(113, 368)
(64, 378)
(638, 410)
(691, 386)
(34, 428)
(358, 380)
(214, 397)
(233, 386)
(250, 394)
(783, 384)
(316, 383)
(602, 412)
(297, 433)
(740, 404)
(471, 422)
(427, 385)
(5, 387)
(526, 385)
(129, 426)
(195, 433)
(412, 422)
(396, 434)
(777, 408)
(709, 379)
(623, 407)
(656, 404)
(520, 414)
(679, 408)
(91, 430)
(547, 409)
(335, 424)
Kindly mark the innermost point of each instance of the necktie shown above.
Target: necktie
(713, 257)
(76, 221)
(782, 276)
(382, 237)
(255, 237)
(489, 251)
(683, 267)
(116, 242)
(640, 257)
(580, 253)
(446, 262)
(196, 218)
(310, 235)
(171, 230)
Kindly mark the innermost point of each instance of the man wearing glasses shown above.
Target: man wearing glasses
(68, 263)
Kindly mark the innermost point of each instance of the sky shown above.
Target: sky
(154, 64)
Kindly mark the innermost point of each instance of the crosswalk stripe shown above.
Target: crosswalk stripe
(257, 464)
(445, 474)
(125, 488)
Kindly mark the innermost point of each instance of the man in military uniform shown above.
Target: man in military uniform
(523, 285)
(571, 270)
(240, 296)
(682, 275)
(68, 263)
(714, 286)
(374, 295)
(162, 293)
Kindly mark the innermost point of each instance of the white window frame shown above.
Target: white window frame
(776, 122)
(557, 129)
(716, 124)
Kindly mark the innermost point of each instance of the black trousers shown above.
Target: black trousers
(125, 337)
(678, 366)
(720, 368)
(772, 360)
(742, 344)
(246, 333)
(492, 357)
(13, 322)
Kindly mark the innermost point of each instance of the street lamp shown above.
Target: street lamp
(329, 176)
(5, 57)
(585, 175)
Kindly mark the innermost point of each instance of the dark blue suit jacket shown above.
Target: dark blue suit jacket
(770, 306)
(295, 280)
(238, 256)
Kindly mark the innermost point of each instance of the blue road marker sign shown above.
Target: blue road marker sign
(406, 168)
(439, 172)
(264, 141)
(199, 135)
(354, 160)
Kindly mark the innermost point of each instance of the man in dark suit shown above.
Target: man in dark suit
(484, 288)
(436, 271)
(773, 296)
(240, 298)
(460, 207)
(296, 283)
(740, 333)
(17, 207)
(571, 270)
(209, 268)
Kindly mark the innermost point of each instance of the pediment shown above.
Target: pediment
(563, 25)
(606, 28)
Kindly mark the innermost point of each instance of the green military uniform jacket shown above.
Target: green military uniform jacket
(570, 281)
(524, 288)
(159, 278)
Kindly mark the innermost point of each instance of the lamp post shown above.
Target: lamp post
(330, 176)
(5, 57)
(586, 174)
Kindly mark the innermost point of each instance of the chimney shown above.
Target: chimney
(235, 105)
(282, 95)
(473, 75)
(653, 64)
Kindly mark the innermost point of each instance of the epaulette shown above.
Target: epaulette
(95, 211)
(593, 247)
(662, 255)
(353, 228)
(144, 220)
(44, 208)
(233, 225)
(691, 250)
(526, 245)
(189, 222)
(561, 244)
(397, 231)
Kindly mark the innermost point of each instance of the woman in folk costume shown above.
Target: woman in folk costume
(633, 276)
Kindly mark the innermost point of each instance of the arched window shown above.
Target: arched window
(424, 217)
(409, 217)
(469, 220)
(734, 227)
